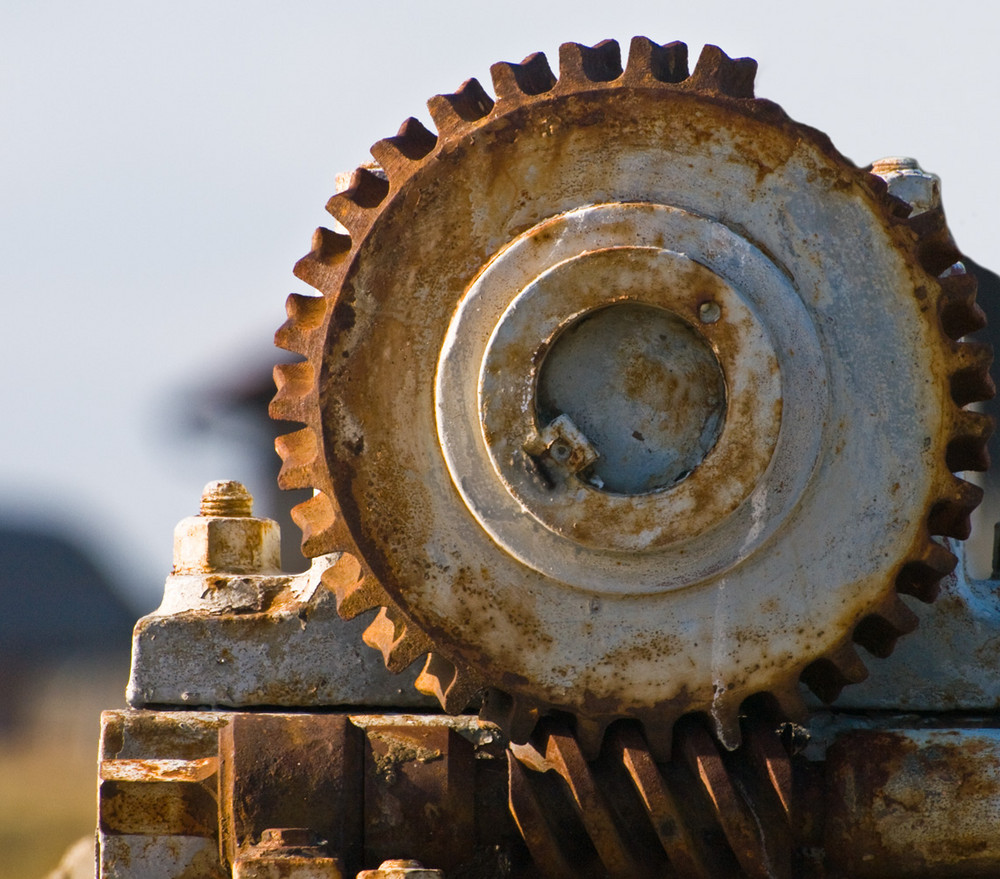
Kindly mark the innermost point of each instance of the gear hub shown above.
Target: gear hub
(628, 396)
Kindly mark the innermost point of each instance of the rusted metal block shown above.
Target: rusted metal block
(142, 856)
(291, 771)
(914, 803)
(419, 792)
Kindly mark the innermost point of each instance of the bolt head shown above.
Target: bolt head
(223, 545)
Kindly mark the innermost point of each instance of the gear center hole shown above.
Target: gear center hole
(643, 387)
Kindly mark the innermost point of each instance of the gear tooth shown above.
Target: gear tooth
(580, 66)
(651, 62)
(319, 268)
(789, 704)
(879, 631)
(658, 730)
(949, 517)
(738, 820)
(318, 519)
(294, 382)
(452, 687)
(968, 448)
(770, 762)
(305, 315)
(717, 73)
(936, 250)
(725, 720)
(516, 717)
(532, 819)
(412, 143)
(829, 674)
(357, 206)
(299, 452)
(590, 735)
(457, 111)
(355, 589)
(971, 381)
(399, 642)
(921, 576)
(532, 76)
(960, 315)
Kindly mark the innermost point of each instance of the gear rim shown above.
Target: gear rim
(716, 79)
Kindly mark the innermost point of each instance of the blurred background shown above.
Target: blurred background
(162, 166)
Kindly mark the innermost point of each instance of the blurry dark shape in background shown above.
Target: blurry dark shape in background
(58, 607)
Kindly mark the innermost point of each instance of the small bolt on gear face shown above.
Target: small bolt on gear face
(612, 403)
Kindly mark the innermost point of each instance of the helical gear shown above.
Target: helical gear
(839, 311)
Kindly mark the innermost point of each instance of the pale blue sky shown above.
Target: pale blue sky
(163, 165)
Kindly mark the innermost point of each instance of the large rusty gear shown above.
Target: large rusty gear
(819, 423)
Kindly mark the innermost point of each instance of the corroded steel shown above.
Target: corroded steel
(705, 813)
(482, 528)
(908, 803)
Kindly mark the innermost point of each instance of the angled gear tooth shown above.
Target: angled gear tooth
(459, 110)
(921, 576)
(829, 674)
(879, 631)
(399, 642)
(739, 824)
(949, 517)
(294, 382)
(717, 73)
(770, 761)
(320, 268)
(651, 62)
(563, 751)
(971, 381)
(317, 519)
(582, 66)
(960, 315)
(357, 206)
(968, 449)
(666, 814)
(590, 735)
(453, 688)
(299, 452)
(411, 143)
(532, 76)
(356, 591)
(305, 316)
(532, 821)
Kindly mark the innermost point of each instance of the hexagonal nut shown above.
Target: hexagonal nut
(237, 545)
(909, 182)
(401, 870)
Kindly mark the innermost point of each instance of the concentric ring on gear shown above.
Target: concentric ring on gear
(542, 282)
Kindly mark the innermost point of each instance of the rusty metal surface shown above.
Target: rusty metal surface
(157, 793)
(704, 814)
(233, 631)
(870, 796)
(543, 609)
(288, 771)
(911, 803)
